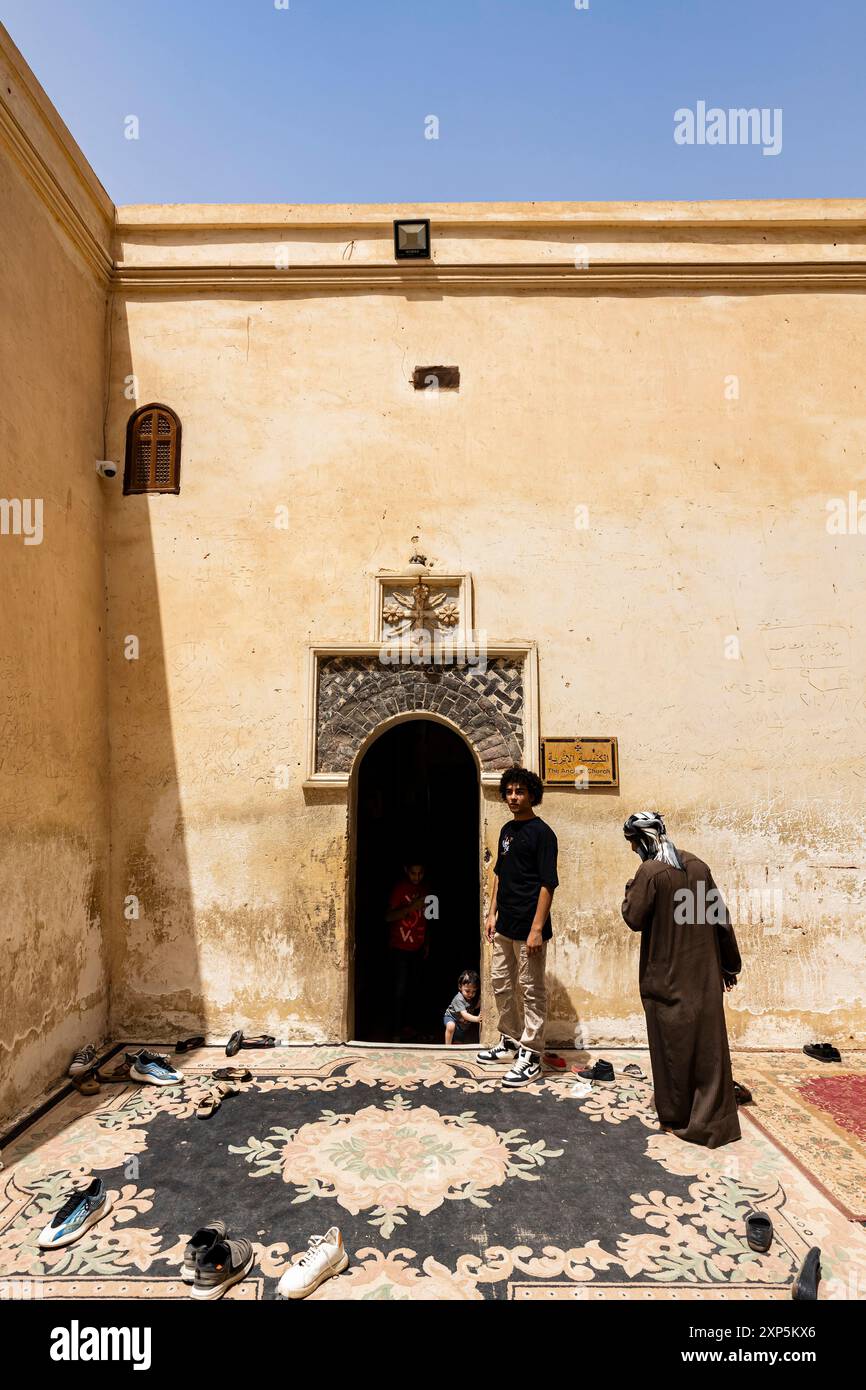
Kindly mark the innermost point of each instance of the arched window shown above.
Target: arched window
(152, 451)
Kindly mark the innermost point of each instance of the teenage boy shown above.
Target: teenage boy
(518, 924)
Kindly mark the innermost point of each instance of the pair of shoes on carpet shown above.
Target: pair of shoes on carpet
(213, 1261)
(523, 1066)
(823, 1052)
(759, 1234)
(76, 1215)
(152, 1068)
(324, 1256)
(237, 1041)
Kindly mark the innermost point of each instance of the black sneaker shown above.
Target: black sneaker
(222, 1264)
(501, 1055)
(600, 1071)
(204, 1238)
(83, 1061)
(527, 1068)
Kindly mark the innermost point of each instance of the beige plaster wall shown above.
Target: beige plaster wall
(54, 812)
(706, 521)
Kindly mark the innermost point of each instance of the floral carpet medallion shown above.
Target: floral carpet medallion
(537, 1195)
(385, 1160)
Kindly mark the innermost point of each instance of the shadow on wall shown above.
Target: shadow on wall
(156, 990)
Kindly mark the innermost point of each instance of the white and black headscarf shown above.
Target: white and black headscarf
(647, 831)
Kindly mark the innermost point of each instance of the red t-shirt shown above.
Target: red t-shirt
(407, 933)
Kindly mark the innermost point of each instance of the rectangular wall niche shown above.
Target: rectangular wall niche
(436, 378)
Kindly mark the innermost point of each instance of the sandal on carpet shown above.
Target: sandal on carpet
(264, 1041)
(742, 1094)
(120, 1073)
(759, 1231)
(214, 1097)
(86, 1085)
(823, 1052)
(634, 1070)
(186, 1044)
(232, 1074)
(235, 1043)
(805, 1288)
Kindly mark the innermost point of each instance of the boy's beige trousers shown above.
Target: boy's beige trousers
(520, 991)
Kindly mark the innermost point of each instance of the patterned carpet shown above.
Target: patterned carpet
(443, 1185)
(816, 1111)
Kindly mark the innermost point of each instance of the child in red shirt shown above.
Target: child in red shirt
(407, 944)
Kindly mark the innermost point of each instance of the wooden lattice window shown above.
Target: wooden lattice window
(152, 451)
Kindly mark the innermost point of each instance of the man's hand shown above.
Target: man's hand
(728, 980)
(490, 926)
(534, 941)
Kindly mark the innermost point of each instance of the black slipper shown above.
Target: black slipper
(233, 1074)
(188, 1043)
(264, 1041)
(823, 1052)
(235, 1043)
(742, 1094)
(759, 1231)
(805, 1288)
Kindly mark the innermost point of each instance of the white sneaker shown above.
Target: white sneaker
(526, 1068)
(503, 1054)
(324, 1256)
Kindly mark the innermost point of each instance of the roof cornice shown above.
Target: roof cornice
(621, 277)
(38, 170)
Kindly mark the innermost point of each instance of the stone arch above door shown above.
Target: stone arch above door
(354, 692)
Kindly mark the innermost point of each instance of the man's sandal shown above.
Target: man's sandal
(213, 1098)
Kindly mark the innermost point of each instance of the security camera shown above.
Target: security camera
(106, 469)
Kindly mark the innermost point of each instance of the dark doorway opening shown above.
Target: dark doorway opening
(417, 795)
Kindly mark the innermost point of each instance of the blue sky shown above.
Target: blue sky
(326, 101)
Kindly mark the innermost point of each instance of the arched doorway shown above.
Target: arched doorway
(417, 796)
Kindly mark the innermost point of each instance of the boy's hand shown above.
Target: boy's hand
(534, 941)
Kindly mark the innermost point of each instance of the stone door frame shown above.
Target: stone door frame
(352, 853)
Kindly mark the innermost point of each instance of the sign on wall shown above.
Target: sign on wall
(579, 762)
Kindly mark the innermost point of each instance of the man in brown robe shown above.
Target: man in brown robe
(688, 958)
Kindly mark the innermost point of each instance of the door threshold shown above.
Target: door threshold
(416, 1047)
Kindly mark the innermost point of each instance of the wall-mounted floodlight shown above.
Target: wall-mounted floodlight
(412, 240)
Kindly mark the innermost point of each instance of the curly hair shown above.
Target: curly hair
(524, 778)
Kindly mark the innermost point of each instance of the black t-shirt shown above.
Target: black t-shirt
(526, 863)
